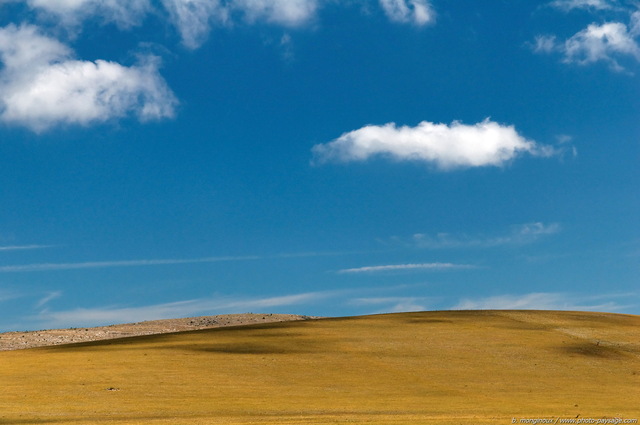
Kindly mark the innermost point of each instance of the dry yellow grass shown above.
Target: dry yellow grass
(410, 368)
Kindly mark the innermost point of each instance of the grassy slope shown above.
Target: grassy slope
(432, 367)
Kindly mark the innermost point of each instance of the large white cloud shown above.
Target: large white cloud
(418, 12)
(446, 146)
(41, 85)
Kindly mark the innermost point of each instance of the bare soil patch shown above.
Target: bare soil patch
(22, 340)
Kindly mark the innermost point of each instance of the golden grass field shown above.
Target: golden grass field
(481, 367)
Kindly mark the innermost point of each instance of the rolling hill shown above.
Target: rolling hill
(450, 367)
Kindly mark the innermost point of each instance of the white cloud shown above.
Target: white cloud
(209, 306)
(534, 301)
(41, 85)
(153, 262)
(171, 261)
(634, 25)
(568, 5)
(532, 231)
(564, 138)
(123, 263)
(286, 47)
(193, 18)
(601, 43)
(418, 12)
(283, 12)
(125, 13)
(6, 295)
(545, 44)
(23, 247)
(392, 304)
(49, 297)
(518, 235)
(609, 42)
(446, 146)
(399, 267)
(543, 301)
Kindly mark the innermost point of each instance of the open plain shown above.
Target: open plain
(454, 367)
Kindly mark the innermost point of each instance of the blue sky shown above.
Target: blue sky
(174, 158)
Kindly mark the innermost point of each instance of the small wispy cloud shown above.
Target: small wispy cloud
(191, 18)
(549, 301)
(564, 138)
(392, 304)
(286, 47)
(447, 147)
(125, 14)
(371, 299)
(38, 267)
(6, 295)
(47, 298)
(401, 267)
(124, 263)
(24, 247)
(418, 12)
(518, 235)
(545, 44)
(194, 19)
(567, 5)
(209, 306)
(290, 13)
